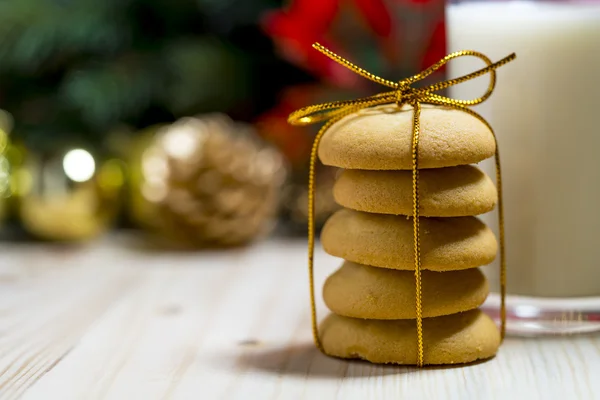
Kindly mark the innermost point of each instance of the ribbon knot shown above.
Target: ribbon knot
(401, 93)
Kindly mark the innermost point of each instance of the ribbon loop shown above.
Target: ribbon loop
(402, 93)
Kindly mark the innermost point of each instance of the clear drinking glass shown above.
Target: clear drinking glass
(546, 113)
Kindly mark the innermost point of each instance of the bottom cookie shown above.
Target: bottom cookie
(451, 339)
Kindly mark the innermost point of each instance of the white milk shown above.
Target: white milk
(546, 113)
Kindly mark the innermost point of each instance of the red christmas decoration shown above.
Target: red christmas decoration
(436, 49)
(304, 22)
(293, 142)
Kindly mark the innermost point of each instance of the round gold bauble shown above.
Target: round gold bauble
(68, 195)
(5, 189)
(206, 181)
(6, 124)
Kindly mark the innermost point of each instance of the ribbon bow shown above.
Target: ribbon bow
(402, 93)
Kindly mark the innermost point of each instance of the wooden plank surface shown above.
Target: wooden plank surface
(109, 321)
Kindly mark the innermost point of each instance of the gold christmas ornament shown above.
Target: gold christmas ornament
(206, 181)
(70, 195)
(5, 189)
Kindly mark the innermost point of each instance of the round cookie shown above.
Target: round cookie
(387, 241)
(451, 339)
(380, 138)
(443, 192)
(361, 291)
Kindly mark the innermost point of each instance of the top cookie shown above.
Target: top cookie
(380, 138)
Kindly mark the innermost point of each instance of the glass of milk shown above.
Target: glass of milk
(546, 114)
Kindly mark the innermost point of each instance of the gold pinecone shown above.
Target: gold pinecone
(207, 181)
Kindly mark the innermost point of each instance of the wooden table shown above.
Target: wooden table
(109, 321)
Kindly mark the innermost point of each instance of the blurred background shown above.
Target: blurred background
(168, 119)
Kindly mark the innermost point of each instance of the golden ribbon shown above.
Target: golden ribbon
(401, 93)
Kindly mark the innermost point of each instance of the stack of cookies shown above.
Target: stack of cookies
(372, 295)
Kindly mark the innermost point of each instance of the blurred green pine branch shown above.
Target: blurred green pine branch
(76, 69)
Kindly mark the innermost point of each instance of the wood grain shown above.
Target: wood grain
(108, 321)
